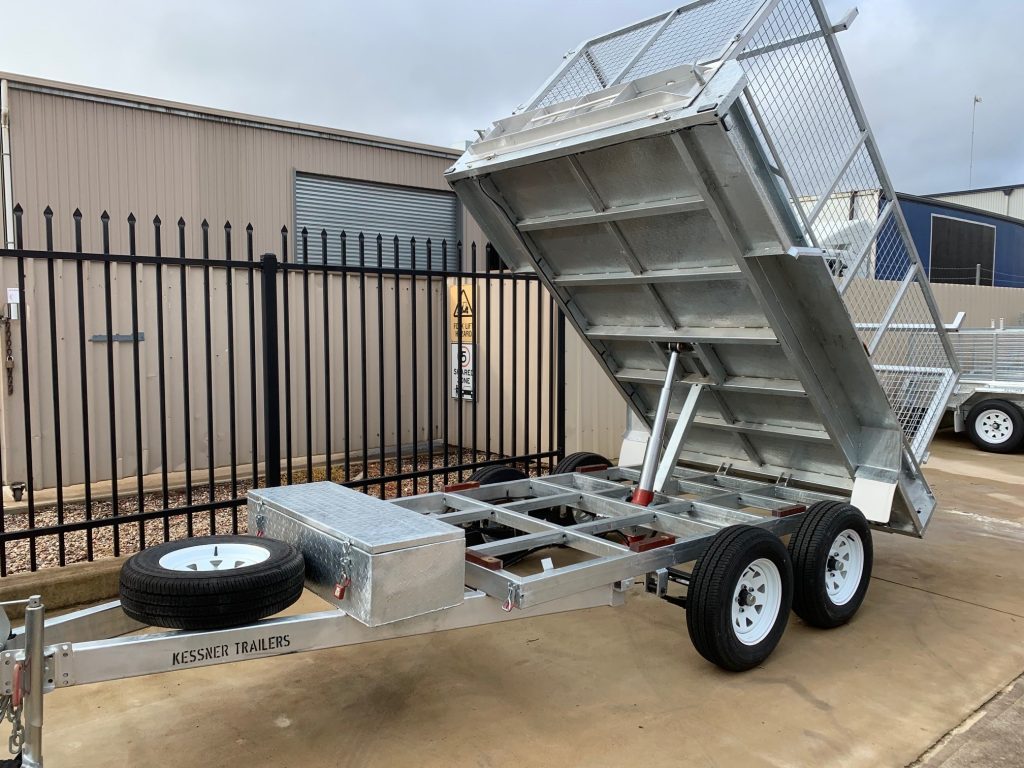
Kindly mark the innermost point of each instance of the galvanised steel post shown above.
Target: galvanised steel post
(271, 381)
(32, 749)
(560, 386)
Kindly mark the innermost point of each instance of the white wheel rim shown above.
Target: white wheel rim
(844, 567)
(994, 426)
(214, 557)
(756, 601)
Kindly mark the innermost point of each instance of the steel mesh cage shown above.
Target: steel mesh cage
(811, 130)
(991, 355)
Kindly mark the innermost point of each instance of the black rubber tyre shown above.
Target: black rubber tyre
(713, 589)
(189, 599)
(574, 461)
(497, 473)
(988, 429)
(11, 762)
(811, 550)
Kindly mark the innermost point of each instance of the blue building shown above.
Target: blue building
(965, 245)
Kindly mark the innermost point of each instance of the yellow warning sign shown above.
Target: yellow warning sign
(460, 312)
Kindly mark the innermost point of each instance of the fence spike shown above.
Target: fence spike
(157, 251)
(248, 227)
(18, 210)
(77, 214)
(103, 216)
(48, 215)
(131, 218)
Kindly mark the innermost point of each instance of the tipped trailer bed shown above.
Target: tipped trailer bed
(684, 188)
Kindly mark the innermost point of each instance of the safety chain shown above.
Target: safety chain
(9, 349)
(11, 712)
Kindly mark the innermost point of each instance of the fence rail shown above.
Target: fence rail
(146, 392)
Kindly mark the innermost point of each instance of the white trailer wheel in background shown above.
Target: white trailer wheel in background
(996, 426)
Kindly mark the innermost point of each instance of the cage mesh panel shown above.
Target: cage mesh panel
(615, 52)
(598, 65)
(911, 364)
(808, 115)
(696, 35)
(991, 355)
(578, 80)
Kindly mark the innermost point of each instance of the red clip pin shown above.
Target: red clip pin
(340, 587)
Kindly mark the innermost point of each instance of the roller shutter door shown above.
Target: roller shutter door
(341, 205)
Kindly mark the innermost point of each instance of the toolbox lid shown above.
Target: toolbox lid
(370, 524)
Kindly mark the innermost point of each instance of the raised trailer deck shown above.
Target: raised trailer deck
(667, 184)
(678, 208)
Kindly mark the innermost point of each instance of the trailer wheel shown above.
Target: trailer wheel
(497, 473)
(996, 426)
(211, 582)
(574, 461)
(832, 556)
(739, 597)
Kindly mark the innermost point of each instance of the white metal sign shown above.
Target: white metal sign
(462, 362)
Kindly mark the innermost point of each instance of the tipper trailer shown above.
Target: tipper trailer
(668, 184)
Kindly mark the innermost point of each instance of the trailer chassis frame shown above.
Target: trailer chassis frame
(93, 645)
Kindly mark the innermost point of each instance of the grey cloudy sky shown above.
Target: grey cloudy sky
(433, 71)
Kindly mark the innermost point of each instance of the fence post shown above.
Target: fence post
(560, 387)
(271, 381)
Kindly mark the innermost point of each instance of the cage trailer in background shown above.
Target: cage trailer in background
(989, 401)
(667, 185)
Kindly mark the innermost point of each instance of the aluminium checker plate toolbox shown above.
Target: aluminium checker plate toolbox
(401, 563)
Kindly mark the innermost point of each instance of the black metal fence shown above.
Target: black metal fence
(140, 413)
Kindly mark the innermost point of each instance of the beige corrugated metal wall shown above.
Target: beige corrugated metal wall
(75, 147)
(98, 151)
(1009, 203)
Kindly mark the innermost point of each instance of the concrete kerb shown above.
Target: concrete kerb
(72, 586)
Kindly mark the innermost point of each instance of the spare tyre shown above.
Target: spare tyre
(211, 582)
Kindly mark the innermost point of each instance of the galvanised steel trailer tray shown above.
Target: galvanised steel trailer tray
(685, 188)
(682, 185)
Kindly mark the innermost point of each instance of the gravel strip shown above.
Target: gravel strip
(16, 555)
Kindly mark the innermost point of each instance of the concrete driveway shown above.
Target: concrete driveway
(939, 634)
